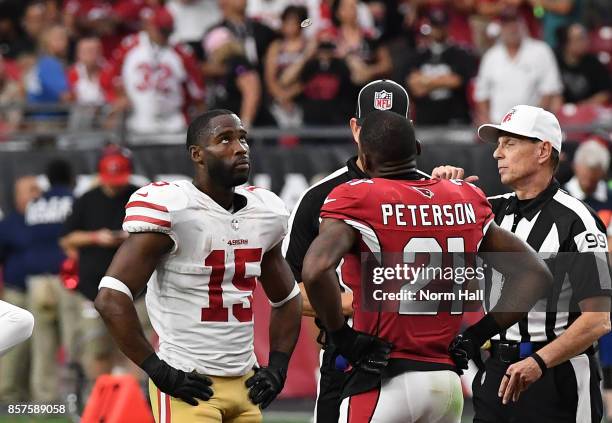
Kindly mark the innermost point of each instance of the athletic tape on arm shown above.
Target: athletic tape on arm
(294, 292)
(116, 284)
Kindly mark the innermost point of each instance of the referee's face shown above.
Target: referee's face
(517, 159)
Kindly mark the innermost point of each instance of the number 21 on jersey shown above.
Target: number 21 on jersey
(216, 310)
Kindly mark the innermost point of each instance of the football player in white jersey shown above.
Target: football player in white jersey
(204, 244)
(17, 325)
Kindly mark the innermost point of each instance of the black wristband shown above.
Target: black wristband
(151, 364)
(482, 330)
(278, 360)
(540, 362)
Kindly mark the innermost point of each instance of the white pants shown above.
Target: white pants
(411, 397)
(16, 325)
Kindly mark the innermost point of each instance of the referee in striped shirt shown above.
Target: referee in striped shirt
(552, 352)
(304, 227)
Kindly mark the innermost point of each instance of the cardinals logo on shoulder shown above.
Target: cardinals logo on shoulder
(424, 192)
(383, 100)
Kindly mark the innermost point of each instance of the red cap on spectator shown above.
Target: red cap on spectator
(161, 18)
(115, 169)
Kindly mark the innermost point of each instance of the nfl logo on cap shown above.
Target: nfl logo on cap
(383, 100)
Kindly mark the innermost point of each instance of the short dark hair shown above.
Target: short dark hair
(300, 12)
(200, 125)
(554, 160)
(59, 172)
(387, 136)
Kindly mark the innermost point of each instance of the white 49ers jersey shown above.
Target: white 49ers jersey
(199, 297)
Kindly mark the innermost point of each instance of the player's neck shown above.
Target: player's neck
(221, 195)
(394, 169)
(532, 186)
(359, 164)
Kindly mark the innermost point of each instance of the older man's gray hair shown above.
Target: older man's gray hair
(593, 154)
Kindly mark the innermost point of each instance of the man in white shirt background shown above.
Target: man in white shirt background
(516, 70)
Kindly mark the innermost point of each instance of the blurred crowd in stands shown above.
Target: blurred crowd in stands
(151, 64)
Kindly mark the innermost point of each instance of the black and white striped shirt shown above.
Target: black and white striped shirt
(555, 222)
(304, 220)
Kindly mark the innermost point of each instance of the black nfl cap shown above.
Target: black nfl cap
(382, 94)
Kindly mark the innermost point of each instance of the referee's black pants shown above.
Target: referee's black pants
(330, 388)
(567, 393)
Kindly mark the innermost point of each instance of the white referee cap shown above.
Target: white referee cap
(527, 121)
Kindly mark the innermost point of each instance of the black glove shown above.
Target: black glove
(268, 382)
(466, 347)
(362, 350)
(177, 383)
(462, 350)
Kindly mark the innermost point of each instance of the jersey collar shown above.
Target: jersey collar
(240, 201)
(354, 171)
(529, 208)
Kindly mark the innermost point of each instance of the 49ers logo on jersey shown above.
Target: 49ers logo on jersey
(238, 242)
(424, 192)
(383, 100)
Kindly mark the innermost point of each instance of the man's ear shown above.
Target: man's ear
(545, 151)
(355, 129)
(196, 154)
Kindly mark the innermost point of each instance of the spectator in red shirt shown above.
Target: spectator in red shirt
(84, 75)
(84, 83)
(327, 94)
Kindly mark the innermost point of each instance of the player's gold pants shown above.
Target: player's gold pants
(229, 404)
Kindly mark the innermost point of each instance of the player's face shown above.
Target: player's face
(227, 152)
(517, 158)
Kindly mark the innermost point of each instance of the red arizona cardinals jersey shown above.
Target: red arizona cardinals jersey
(399, 218)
